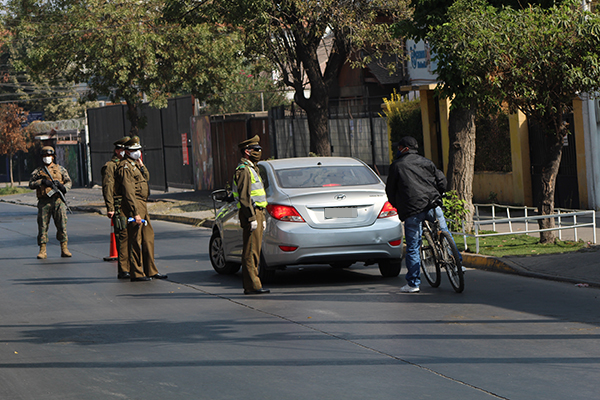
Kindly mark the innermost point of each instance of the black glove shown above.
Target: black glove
(61, 187)
(47, 182)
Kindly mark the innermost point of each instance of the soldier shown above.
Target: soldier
(251, 198)
(113, 207)
(132, 183)
(50, 204)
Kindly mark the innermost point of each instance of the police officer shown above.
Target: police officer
(251, 198)
(113, 207)
(132, 184)
(50, 204)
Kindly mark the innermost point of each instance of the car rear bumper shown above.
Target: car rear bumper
(331, 245)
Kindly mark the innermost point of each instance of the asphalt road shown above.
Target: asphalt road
(70, 330)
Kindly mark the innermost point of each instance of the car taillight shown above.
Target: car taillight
(288, 248)
(395, 243)
(284, 213)
(387, 211)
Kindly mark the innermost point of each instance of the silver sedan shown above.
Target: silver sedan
(322, 210)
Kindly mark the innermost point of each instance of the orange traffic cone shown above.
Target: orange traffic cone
(113, 244)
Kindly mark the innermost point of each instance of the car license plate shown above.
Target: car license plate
(341, 212)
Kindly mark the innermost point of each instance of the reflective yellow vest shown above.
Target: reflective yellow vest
(257, 190)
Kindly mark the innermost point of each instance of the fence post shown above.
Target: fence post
(464, 234)
(509, 221)
(526, 221)
(575, 226)
(559, 225)
(594, 225)
(476, 238)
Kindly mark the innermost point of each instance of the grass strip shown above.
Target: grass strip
(517, 245)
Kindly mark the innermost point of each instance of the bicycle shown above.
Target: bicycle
(438, 251)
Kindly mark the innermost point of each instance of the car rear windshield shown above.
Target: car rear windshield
(326, 176)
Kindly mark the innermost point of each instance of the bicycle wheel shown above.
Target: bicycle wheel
(452, 262)
(429, 264)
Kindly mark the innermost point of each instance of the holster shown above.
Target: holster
(120, 222)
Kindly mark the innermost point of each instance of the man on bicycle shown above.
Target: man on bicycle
(415, 187)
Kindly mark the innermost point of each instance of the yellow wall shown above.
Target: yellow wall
(513, 187)
(521, 164)
(500, 183)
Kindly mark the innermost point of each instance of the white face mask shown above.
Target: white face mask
(135, 154)
(121, 153)
(47, 160)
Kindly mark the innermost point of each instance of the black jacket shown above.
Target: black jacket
(414, 184)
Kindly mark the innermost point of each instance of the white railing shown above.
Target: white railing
(565, 219)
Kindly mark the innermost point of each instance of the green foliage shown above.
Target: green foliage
(403, 118)
(493, 143)
(67, 109)
(455, 210)
(244, 93)
(121, 49)
(290, 33)
(535, 60)
(8, 190)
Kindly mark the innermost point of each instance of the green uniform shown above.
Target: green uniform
(132, 184)
(112, 199)
(245, 185)
(50, 207)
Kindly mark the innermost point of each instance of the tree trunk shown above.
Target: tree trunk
(133, 117)
(461, 163)
(10, 168)
(317, 114)
(318, 120)
(553, 155)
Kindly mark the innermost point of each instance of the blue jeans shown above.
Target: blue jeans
(413, 230)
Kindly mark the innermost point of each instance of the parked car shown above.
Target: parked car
(322, 210)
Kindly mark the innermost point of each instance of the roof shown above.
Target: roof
(305, 162)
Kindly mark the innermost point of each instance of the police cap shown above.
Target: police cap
(121, 142)
(249, 142)
(133, 143)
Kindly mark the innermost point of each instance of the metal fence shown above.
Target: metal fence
(356, 131)
(564, 219)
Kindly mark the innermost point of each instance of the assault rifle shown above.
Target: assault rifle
(55, 189)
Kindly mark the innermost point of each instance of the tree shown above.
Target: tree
(459, 74)
(291, 33)
(535, 60)
(13, 137)
(124, 50)
(250, 90)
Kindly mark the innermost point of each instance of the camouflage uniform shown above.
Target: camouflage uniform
(50, 207)
(113, 199)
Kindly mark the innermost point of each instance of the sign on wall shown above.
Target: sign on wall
(420, 64)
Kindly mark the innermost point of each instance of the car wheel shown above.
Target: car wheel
(390, 268)
(217, 256)
(341, 264)
(266, 275)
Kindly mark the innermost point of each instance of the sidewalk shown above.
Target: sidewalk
(196, 208)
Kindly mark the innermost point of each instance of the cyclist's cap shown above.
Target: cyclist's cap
(408, 141)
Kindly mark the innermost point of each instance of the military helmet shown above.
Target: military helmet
(47, 151)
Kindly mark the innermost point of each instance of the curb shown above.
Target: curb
(198, 222)
(495, 264)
